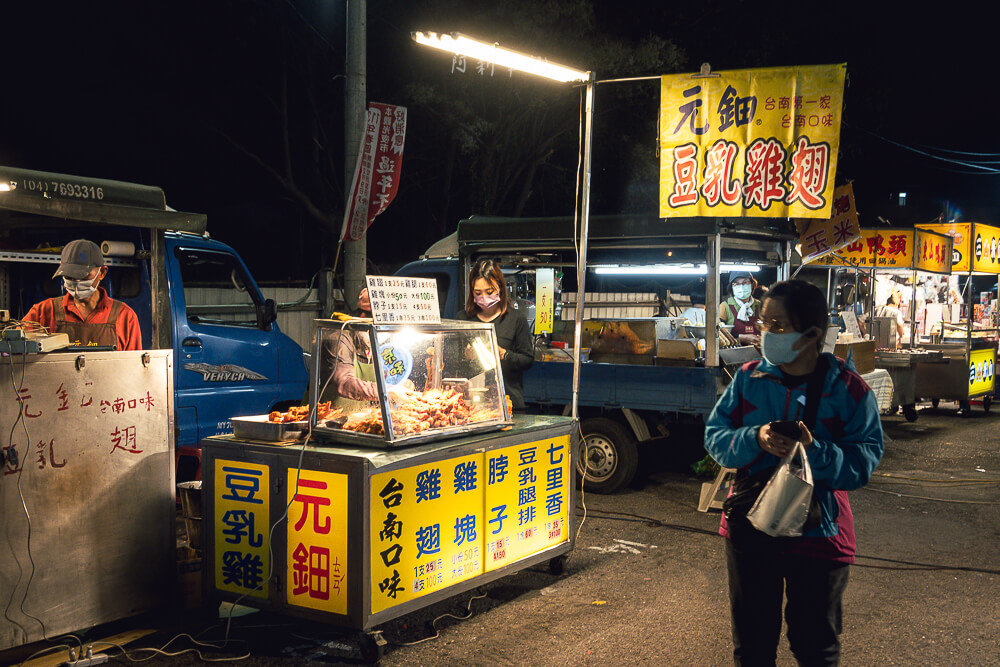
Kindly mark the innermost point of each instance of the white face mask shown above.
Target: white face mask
(741, 292)
(79, 289)
(777, 348)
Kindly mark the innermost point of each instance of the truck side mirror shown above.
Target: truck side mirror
(266, 314)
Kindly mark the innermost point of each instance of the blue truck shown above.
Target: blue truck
(623, 401)
(191, 293)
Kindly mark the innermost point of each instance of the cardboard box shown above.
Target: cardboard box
(864, 354)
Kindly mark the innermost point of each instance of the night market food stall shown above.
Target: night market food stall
(969, 343)
(902, 261)
(430, 491)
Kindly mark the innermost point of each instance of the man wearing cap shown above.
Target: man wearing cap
(86, 313)
(741, 310)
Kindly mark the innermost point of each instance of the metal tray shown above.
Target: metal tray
(256, 427)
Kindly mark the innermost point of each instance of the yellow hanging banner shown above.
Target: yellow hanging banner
(758, 143)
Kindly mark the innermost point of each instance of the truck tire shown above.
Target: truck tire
(609, 452)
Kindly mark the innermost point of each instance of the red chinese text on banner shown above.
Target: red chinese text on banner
(380, 162)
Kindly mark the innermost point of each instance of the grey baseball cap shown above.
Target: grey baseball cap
(79, 258)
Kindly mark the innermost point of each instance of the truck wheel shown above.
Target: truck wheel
(609, 453)
(910, 412)
(987, 403)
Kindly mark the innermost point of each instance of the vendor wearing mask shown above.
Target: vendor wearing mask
(741, 310)
(86, 313)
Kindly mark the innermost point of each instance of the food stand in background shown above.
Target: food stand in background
(416, 497)
(969, 344)
(901, 260)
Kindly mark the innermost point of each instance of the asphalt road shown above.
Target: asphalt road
(646, 582)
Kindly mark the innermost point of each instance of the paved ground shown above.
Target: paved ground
(646, 583)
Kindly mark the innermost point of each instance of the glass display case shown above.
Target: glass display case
(386, 385)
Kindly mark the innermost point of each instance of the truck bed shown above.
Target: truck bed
(661, 388)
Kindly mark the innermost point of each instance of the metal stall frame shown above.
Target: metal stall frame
(360, 465)
(611, 237)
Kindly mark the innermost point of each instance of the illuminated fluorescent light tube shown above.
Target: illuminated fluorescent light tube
(670, 269)
(462, 45)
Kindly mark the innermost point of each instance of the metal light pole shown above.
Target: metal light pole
(355, 252)
(462, 45)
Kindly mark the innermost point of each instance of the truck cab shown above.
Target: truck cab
(191, 293)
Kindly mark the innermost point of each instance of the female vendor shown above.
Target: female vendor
(487, 302)
(741, 310)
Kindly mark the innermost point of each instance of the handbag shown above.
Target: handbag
(783, 505)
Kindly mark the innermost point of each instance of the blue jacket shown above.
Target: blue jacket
(847, 441)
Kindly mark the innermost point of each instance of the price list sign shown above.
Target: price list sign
(397, 300)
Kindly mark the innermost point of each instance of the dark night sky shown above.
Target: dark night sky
(149, 92)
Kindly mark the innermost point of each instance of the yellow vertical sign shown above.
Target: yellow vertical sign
(960, 232)
(242, 511)
(982, 365)
(527, 499)
(985, 248)
(316, 558)
(545, 285)
(426, 527)
(933, 251)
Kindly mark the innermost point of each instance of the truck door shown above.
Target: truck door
(227, 354)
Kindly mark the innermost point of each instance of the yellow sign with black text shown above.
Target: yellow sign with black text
(316, 557)
(760, 142)
(241, 527)
(437, 524)
(982, 365)
(985, 249)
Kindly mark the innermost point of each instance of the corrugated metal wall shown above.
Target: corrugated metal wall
(295, 321)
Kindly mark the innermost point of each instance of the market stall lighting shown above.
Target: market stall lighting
(462, 45)
(4, 187)
(671, 269)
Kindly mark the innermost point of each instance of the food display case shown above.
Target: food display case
(386, 385)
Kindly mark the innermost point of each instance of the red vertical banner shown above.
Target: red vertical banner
(376, 175)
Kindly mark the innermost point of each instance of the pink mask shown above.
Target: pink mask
(487, 301)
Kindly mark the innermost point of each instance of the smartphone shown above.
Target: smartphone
(789, 429)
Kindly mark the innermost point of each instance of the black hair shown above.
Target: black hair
(804, 303)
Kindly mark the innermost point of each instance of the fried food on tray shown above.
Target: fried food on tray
(434, 408)
(298, 413)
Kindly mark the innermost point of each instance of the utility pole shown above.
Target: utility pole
(355, 103)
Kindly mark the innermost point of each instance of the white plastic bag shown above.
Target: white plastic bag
(783, 505)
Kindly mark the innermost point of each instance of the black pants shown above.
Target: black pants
(814, 588)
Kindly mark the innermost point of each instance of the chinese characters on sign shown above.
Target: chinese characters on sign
(403, 300)
(544, 300)
(461, 65)
(982, 366)
(818, 238)
(527, 496)
(122, 433)
(757, 143)
(437, 524)
(241, 527)
(426, 528)
(317, 540)
(380, 163)
(896, 249)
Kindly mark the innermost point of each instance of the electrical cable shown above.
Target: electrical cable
(298, 475)
(940, 500)
(627, 516)
(437, 633)
(984, 170)
(44, 651)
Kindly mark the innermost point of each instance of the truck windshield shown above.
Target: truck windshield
(216, 289)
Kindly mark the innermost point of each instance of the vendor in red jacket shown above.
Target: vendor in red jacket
(86, 313)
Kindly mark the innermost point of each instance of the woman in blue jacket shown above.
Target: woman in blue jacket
(844, 444)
